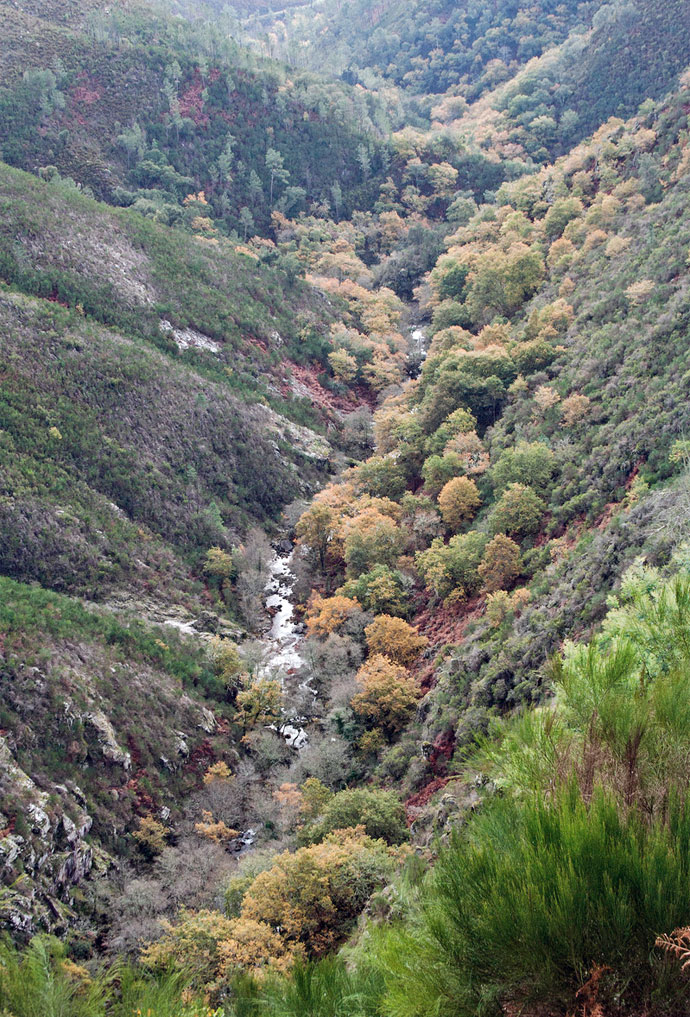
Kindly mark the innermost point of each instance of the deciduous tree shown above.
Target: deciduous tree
(518, 512)
(388, 695)
(259, 702)
(395, 639)
(501, 563)
(328, 614)
(530, 463)
(459, 501)
(314, 895)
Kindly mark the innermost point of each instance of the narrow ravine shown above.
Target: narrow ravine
(285, 638)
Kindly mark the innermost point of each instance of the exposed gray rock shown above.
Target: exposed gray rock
(185, 338)
(40, 868)
(208, 721)
(40, 821)
(107, 740)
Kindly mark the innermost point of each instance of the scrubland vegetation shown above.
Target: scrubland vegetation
(414, 301)
(555, 890)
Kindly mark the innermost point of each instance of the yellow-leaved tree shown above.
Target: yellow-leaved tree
(211, 948)
(388, 695)
(315, 530)
(260, 702)
(314, 895)
(327, 614)
(459, 500)
(395, 639)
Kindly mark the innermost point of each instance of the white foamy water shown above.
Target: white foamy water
(284, 639)
(419, 342)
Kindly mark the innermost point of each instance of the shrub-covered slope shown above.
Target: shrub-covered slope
(541, 449)
(118, 443)
(137, 368)
(633, 52)
(426, 48)
(148, 109)
(610, 407)
(105, 721)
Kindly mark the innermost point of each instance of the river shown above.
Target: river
(283, 644)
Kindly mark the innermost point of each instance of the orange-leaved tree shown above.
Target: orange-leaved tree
(329, 613)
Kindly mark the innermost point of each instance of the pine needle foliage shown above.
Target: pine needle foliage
(326, 988)
(531, 897)
(36, 983)
(41, 981)
(621, 712)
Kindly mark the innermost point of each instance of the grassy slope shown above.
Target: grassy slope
(128, 271)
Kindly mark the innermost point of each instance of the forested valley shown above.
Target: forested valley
(344, 508)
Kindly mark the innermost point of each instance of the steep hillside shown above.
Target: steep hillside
(126, 271)
(345, 509)
(425, 49)
(526, 81)
(105, 721)
(148, 110)
(162, 423)
(633, 52)
(537, 455)
(146, 397)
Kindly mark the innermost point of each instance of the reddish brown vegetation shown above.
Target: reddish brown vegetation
(423, 797)
(305, 383)
(442, 751)
(192, 103)
(86, 93)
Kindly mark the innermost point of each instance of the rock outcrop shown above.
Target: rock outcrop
(44, 852)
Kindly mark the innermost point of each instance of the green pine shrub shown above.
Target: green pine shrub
(532, 898)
